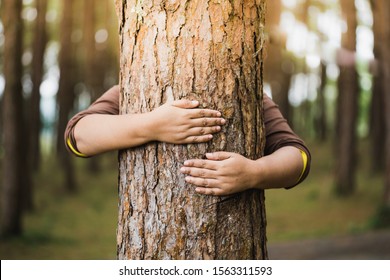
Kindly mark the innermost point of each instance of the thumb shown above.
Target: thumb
(219, 155)
(185, 103)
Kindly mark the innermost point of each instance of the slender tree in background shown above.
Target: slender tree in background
(347, 109)
(39, 46)
(278, 67)
(377, 116)
(381, 9)
(33, 128)
(65, 94)
(12, 183)
(204, 50)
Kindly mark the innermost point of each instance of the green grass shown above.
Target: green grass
(83, 226)
(311, 210)
(65, 226)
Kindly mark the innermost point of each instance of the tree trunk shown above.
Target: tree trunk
(278, 67)
(40, 40)
(66, 92)
(377, 120)
(204, 50)
(347, 110)
(11, 197)
(381, 11)
(321, 117)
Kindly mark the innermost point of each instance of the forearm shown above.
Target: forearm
(97, 133)
(281, 169)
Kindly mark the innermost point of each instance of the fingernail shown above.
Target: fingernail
(223, 121)
(194, 102)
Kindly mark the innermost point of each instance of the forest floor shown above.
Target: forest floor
(306, 222)
(372, 245)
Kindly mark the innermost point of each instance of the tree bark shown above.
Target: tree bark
(347, 110)
(204, 50)
(11, 198)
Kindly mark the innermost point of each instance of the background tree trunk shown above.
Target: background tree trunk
(278, 67)
(12, 189)
(381, 11)
(40, 40)
(66, 92)
(347, 109)
(204, 50)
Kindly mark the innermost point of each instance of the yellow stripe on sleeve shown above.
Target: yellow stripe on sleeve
(77, 153)
(304, 159)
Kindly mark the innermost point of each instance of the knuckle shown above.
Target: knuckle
(202, 131)
(205, 122)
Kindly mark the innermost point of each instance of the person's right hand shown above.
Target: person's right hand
(181, 122)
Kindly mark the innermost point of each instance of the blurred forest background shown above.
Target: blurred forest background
(327, 65)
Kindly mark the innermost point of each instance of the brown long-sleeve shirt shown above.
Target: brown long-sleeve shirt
(278, 132)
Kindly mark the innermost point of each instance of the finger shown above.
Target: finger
(197, 139)
(198, 172)
(202, 182)
(185, 103)
(219, 156)
(205, 122)
(204, 113)
(196, 131)
(209, 191)
(201, 163)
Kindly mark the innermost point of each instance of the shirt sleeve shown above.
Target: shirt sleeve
(279, 134)
(108, 104)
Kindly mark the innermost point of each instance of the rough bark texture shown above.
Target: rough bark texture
(204, 50)
(12, 183)
(347, 110)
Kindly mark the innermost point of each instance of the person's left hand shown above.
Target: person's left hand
(221, 173)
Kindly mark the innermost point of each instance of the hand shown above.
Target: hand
(178, 122)
(221, 173)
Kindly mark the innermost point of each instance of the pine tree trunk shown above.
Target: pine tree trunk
(12, 181)
(40, 40)
(208, 51)
(381, 11)
(65, 94)
(277, 66)
(347, 110)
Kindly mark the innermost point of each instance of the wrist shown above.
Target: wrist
(261, 174)
(139, 128)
